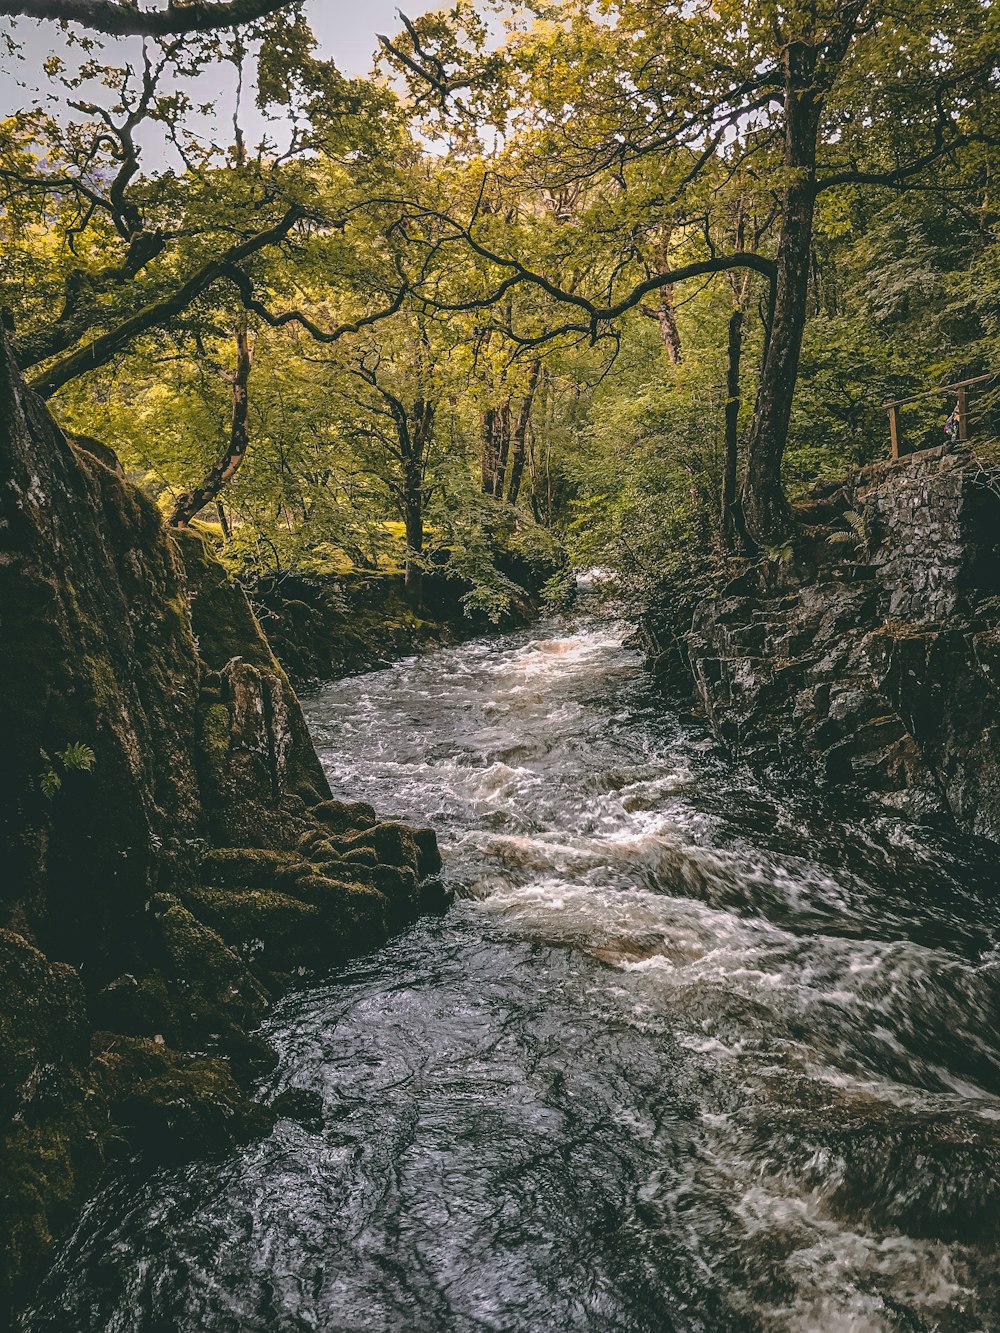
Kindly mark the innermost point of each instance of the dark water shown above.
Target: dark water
(683, 1055)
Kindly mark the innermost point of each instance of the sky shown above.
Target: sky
(346, 31)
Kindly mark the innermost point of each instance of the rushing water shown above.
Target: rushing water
(683, 1055)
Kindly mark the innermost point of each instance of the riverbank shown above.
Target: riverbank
(686, 1048)
(328, 626)
(173, 859)
(865, 658)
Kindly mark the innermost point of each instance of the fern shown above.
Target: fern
(859, 533)
(779, 554)
(77, 758)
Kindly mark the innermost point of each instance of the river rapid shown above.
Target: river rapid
(684, 1054)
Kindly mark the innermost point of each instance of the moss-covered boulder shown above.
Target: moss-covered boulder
(51, 1116)
(162, 810)
(169, 1105)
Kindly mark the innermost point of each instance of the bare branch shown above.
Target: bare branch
(244, 285)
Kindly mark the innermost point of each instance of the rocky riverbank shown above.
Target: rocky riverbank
(866, 657)
(324, 627)
(173, 860)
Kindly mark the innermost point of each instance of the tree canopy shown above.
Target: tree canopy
(621, 278)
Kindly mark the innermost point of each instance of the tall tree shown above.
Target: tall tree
(816, 96)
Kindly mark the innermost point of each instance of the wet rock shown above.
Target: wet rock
(867, 666)
(170, 1105)
(345, 816)
(51, 1114)
(163, 891)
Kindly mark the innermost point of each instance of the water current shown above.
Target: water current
(685, 1054)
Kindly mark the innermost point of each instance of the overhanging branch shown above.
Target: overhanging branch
(125, 20)
(244, 286)
(102, 348)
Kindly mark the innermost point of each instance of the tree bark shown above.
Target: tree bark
(520, 440)
(418, 434)
(765, 509)
(190, 503)
(413, 579)
(487, 461)
(127, 20)
(730, 518)
(667, 320)
(663, 312)
(106, 345)
(502, 451)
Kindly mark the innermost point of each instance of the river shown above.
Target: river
(684, 1054)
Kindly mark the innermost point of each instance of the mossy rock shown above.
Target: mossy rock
(46, 1170)
(171, 1106)
(136, 1006)
(345, 816)
(360, 856)
(387, 844)
(50, 1117)
(214, 998)
(397, 886)
(247, 867)
(429, 854)
(357, 914)
(220, 613)
(279, 932)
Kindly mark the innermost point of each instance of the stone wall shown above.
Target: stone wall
(866, 658)
(155, 898)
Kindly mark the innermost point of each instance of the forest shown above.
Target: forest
(620, 279)
(500, 647)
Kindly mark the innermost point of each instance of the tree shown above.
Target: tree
(803, 99)
(190, 503)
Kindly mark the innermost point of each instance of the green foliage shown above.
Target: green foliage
(76, 758)
(562, 154)
(859, 533)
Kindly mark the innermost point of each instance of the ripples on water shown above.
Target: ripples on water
(683, 1056)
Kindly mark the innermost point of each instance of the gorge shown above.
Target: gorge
(500, 661)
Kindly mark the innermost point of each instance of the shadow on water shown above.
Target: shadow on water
(685, 1055)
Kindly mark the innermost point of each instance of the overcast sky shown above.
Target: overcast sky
(346, 31)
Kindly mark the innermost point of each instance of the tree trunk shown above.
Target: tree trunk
(414, 461)
(190, 503)
(765, 509)
(520, 441)
(667, 320)
(664, 312)
(502, 451)
(730, 518)
(413, 579)
(488, 461)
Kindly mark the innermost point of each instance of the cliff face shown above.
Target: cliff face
(171, 855)
(869, 660)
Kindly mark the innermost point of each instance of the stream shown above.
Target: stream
(684, 1055)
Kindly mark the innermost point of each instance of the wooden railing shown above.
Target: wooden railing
(961, 392)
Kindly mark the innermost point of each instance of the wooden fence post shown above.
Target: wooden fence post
(963, 414)
(894, 430)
